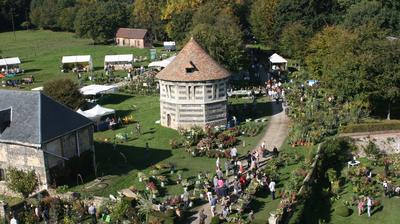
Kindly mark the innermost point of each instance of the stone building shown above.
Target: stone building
(193, 90)
(37, 133)
(128, 37)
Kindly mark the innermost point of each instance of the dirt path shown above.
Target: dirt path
(275, 135)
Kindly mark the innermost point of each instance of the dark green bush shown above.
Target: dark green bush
(342, 211)
(215, 220)
(371, 126)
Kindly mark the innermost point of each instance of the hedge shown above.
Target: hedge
(371, 126)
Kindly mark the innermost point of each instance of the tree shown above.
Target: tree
(384, 14)
(64, 91)
(294, 40)
(13, 11)
(66, 19)
(23, 182)
(179, 25)
(387, 73)
(44, 13)
(336, 59)
(147, 14)
(262, 20)
(217, 31)
(99, 21)
(315, 14)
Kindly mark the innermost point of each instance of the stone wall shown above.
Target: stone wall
(25, 158)
(387, 142)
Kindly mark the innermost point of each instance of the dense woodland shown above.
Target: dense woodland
(349, 45)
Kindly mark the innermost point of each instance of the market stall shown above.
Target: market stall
(77, 63)
(10, 66)
(118, 62)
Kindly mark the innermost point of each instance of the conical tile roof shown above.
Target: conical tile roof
(193, 64)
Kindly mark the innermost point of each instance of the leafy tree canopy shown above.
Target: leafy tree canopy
(64, 91)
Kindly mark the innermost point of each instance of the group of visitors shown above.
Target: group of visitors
(274, 89)
(390, 190)
(365, 203)
(228, 187)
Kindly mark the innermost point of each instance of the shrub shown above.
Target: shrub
(372, 150)
(371, 126)
(64, 91)
(215, 220)
(24, 182)
(343, 211)
(174, 144)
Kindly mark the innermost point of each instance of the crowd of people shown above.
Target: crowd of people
(231, 180)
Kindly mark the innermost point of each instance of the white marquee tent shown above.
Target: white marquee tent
(93, 90)
(96, 112)
(78, 59)
(121, 61)
(10, 61)
(163, 63)
(10, 65)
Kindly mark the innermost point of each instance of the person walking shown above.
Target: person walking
(202, 217)
(272, 189)
(138, 128)
(369, 205)
(213, 205)
(360, 206)
(233, 153)
(92, 213)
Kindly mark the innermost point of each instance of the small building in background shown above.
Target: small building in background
(193, 90)
(138, 38)
(278, 63)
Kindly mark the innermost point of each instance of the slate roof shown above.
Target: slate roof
(131, 33)
(36, 118)
(193, 64)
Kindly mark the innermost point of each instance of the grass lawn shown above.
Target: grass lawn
(41, 51)
(119, 174)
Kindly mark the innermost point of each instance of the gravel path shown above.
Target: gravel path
(275, 135)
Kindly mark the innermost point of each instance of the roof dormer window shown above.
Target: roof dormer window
(5, 119)
(191, 68)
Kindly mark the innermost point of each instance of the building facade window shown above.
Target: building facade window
(2, 175)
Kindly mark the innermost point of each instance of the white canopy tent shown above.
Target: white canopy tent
(163, 63)
(93, 90)
(119, 62)
(96, 113)
(278, 62)
(75, 61)
(10, 65)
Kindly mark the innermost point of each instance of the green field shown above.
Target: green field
(41, 52)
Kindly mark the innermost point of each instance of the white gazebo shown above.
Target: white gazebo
(96, 113)
(10, 65)
(93, 90)
(77, 63)
(119, 62)
(162, 64)
(278, 63)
